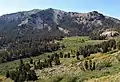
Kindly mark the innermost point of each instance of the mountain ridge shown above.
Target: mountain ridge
(49, 21)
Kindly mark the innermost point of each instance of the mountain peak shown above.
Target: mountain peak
(48, 20)
(95, 13)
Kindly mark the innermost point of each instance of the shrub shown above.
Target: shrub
(118, 45)
(54, 79)
(103, 64)
(69, 78)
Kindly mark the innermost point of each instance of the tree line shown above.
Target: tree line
(27, 48)
(91, 49)
(87, 50)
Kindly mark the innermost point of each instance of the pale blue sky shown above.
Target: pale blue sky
(107, 7)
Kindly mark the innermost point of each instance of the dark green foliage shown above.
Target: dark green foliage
(77, 58)
(27, 66)
(112, 43)
(56, 59)
(23, 73)
(63, 46)
(77, 55)
(13, 75)
(73, 56)
(61, 55)
(48, 56)
(46, 63)
(31, 75)
(51, 57)
(19, 49)
(56, 55)
(39, 64)
(93, 66)
(95, 35)
(7, 74)
(68, 55)
(89, 65)
(102, 47)
(22, 76)
(108, 45)
(35, 65)
(49, 62)
(31, 61)
(65, 55)
(86, 65)
(104, 64)
(118, 44)
(22, 66)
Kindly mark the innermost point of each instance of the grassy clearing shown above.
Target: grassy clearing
(73, 43)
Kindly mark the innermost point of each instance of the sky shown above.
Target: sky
(107, 7)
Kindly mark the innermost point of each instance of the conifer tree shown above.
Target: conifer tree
(93, 65)
(49, 62)
(65, 55)
(46, 63)
(61, 55)
(57, 60)
(7, 74)
(31, 61)
(118, 45)
(27, 66)
(31, 76)
(86, 64)
(90, 65)
(68, 55)
(39, 64)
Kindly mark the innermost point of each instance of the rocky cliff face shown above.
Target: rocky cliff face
(54, 22)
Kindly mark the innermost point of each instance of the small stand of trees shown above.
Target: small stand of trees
(24, 72)
(102, 47)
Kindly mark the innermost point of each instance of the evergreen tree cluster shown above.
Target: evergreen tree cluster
(95, 35)
(26, 71)
(89, 65)
(102, 47)
(48, 62)
(27, 48)
(118, 44)
(22, 73)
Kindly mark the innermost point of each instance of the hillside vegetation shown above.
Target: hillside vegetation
(71, 43)
(99, 66)
(107, 69)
